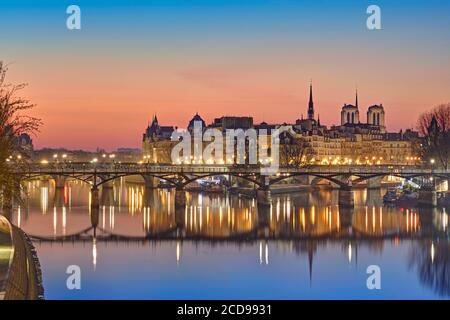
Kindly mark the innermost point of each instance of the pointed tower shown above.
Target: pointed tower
(311, 103)
(356, 102)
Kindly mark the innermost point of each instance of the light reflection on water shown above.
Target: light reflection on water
(217, 246)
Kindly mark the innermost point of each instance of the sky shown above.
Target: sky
(99, 86)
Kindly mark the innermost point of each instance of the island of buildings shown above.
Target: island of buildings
(350, 142)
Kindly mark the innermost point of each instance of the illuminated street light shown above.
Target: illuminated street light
(432, 161)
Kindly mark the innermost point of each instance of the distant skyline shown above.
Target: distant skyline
(99, 86)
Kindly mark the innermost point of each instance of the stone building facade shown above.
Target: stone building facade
(351, 142)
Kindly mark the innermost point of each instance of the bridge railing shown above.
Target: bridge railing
(143, 168)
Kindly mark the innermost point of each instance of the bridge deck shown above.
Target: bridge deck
(136, 168)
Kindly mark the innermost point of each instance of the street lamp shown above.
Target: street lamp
(432, 161)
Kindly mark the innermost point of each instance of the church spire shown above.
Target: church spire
(356, 102)
(311, 103)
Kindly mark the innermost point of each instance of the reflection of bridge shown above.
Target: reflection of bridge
(179, 176)
(429, 250)
(101, 235)
(347, 229)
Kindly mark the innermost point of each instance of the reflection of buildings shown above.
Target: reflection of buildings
(303, 224)
(218, 216)
(431, 260)
(351, 142)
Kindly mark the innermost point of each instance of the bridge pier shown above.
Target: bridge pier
(60, 181)
(346, 218)
(263, 197)
(108, 184)
(180, 197)
(107, 195)
(263, 203)
(180, 217)
(374, 183)
(180, 209)
(150, 182)
(148, 197)
(346, 197)
(263, 220)
(58, 199)
(95, 200)
(427, 196)
(95, 214)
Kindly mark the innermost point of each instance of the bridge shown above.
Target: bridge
(179, 176)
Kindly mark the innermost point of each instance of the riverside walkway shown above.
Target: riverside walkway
(20, 276)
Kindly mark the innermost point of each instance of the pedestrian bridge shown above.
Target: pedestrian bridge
(181, 175)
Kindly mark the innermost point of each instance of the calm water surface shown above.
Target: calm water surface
(216, 247)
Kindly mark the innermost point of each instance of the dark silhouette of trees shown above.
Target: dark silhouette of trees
(434, 125)
(294, 152)
(13, 123)
(432, 265)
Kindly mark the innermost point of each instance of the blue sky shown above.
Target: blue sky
(175, 58)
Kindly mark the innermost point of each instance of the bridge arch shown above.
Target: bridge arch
(363, 178)
(38, 175)
(237, 175)
(332, 179)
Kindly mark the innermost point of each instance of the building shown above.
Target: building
(227, 122)
(356, 142)
(25, 142)
(155, 132)
(350, 142)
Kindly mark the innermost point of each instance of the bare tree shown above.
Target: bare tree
(434, 125)
(294, 152)
(13, 123)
